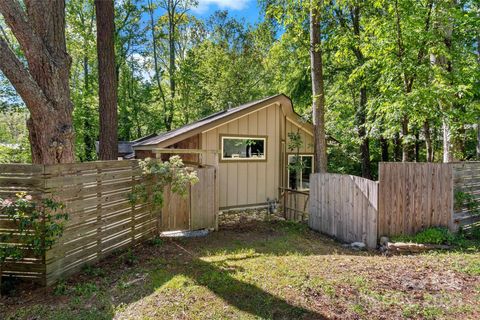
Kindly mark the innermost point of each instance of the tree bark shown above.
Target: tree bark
(384, 148)
(428, 141)
(44, 86)
(397, 147)
(108, 146)
(318, 90)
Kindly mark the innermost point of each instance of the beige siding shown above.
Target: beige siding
(307, 138)
(248, 183)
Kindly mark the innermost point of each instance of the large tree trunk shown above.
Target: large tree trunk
(397, 147)
(384, 148)
(107, 80)
(318, 90)
(428, 141)
(44, 86)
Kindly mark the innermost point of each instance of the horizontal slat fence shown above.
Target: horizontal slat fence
(344, 207)
(466, 180)
(414, 196)
(15, 178)
(101, 217)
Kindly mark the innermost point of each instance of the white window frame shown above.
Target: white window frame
(301, 176)
(264, 139)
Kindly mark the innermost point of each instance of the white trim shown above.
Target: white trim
(288, 170)
(263, 158)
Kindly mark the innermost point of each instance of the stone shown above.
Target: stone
(384, 241)
(358, 245)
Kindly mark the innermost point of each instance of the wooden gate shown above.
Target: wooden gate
(345, 207)
(195, 211)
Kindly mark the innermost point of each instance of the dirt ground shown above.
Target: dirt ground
(259, 270)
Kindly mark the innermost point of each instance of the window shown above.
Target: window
(243, 148)
(296, 180)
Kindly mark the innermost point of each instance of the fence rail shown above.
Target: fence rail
(345, 207)
(294, 204)
(101, 217)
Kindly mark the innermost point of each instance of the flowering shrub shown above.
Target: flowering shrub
(38, 225)
(160, 174)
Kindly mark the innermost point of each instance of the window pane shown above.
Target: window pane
(243, 148)
(306, 171)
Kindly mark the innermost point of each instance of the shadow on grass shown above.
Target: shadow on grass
(242, 295)
(271, 238)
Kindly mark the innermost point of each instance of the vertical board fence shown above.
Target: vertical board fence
(344, 207)
(414, 196)
(101, 217)
(410, 198)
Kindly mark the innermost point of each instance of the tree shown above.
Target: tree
(318, 90)
(107, 79)
(44, 85)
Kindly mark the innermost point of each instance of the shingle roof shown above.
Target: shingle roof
(200, 123)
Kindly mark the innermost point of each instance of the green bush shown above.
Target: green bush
(436, 235)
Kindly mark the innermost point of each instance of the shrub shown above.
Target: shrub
(436, 235)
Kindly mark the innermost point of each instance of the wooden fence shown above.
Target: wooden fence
(345, 207)
(101, 217)
(466, 181)
(414, 196)
(294, 204)
(411, 197)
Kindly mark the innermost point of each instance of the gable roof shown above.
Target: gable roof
(171, 137)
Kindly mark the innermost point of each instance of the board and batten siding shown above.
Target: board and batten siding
(307, 147)
(247, 183)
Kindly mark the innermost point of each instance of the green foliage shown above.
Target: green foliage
(465, 200)
(37, 225)
(295, 142)
(434, 235)
(158, 175)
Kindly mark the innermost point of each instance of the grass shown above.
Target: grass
(266, 270)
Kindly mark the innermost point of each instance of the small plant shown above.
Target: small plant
(93, 271)
(85, 289)
(160, 174)
(465, 200)
(61, 288)
(38, 225)
(157, 242)
(436, 235)
(297, 165)
(130, 258)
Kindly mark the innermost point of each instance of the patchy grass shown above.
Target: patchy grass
(270, 270)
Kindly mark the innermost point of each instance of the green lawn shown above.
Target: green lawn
(265, 270)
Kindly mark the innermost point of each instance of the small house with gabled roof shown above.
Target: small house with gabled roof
(249, 145)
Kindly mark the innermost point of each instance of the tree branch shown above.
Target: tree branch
(21, 79)
(16, 19)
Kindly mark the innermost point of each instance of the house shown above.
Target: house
(125, 149)
(250, 146)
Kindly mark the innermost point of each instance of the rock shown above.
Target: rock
(358, 245)
(384, 241)
(407, 247)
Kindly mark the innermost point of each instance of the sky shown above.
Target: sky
(246, 9)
